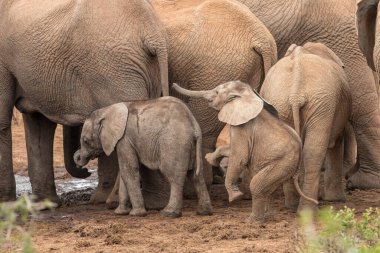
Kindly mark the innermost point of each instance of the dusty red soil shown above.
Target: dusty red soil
(89, 228)
(93, 228)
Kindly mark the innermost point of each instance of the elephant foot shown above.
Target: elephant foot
(235, 195)
(247, 196)
(100, 195)
(140, 212)
(362, 180)
(171, 213)
(7, 195)
(122, 210)
(336, 195)
(256, 219)
(218, 180)
(53, 197)
(112, 201)
(154, 201)
(112, 204)
(204, 210)
(307, 207)
(211, 158)
(291, 202)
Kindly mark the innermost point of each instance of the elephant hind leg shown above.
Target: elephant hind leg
(175, 171)
(7, 96)
(333, 177)
(265, 182)
(204, 201)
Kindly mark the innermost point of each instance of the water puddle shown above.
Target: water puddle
(63, 186)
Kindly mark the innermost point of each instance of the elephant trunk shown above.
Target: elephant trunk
(162, 55)
(192, 93)
(71, 142)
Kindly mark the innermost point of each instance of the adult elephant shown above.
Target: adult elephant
(212, 43)
(332, 22)
(61, 60)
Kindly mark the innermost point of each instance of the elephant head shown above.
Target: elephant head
(101, 132)
(236, 102)
(366, 15)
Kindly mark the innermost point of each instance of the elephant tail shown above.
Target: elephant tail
(296, 99)
(298, 188)
(198, 153)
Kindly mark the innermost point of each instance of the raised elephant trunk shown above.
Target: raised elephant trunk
(192, 93)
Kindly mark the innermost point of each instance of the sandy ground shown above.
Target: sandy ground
(80, 227)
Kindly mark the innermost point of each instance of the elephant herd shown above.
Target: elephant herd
(263, 67)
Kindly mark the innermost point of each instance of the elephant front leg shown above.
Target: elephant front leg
(333, 178)
(7, 179)
(108, 168)
(231, 181)
(39, 133)
(130, 175)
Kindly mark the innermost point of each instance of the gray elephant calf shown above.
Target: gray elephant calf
(160, 134)
(260, 142)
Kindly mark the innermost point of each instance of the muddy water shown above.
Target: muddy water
(63, 186)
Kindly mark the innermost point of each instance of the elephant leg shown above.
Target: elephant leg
(175, 172)
(130, 176)
(155, 188)
(366, 124)
(189, 191)
(314, 152)
(113, 198)
(246, 180)
(333, 176)
(204, 202)
(39, 133)
(350, 152)
(265, 182)
(7, 94)
(108, 168)
(124, 204)
(291, 195)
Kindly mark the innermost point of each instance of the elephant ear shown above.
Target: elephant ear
(241, 108)
(113, 121)
(366, 14)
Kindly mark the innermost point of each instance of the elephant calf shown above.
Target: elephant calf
(309, 88)
(260, 142)
(160, 134)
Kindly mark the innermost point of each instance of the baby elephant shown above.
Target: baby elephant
(310, 90)
(160, 134)
(260, 142)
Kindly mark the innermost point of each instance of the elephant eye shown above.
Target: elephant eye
(230, 98)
